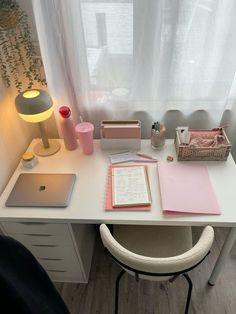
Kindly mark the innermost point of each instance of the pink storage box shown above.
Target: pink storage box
(120, 134)
(121, 129)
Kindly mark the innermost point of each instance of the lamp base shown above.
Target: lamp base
(40, 150)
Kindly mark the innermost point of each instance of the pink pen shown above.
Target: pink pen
(145, 160)
(145, 156)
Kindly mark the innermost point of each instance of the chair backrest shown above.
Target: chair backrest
(162, 265)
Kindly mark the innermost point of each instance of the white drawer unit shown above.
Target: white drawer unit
(40, 239)
(35, 228)
(64, 250)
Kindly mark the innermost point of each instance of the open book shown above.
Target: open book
(186, 188)
(128, 188)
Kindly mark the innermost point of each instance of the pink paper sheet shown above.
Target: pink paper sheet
(186, 188)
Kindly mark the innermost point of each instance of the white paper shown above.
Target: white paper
(130, 186)
(121, 157)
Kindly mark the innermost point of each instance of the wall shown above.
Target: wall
(15, 134)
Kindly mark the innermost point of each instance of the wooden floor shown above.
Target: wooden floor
(145, 297)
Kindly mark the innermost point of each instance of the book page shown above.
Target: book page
(130, 186)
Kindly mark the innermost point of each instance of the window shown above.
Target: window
(161, 52)
(108, 28)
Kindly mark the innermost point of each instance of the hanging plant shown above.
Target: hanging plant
(17, 52)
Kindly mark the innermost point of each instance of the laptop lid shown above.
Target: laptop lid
(42, 190)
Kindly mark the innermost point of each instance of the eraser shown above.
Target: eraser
(170, 158)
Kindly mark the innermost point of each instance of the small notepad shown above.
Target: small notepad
(122, 157)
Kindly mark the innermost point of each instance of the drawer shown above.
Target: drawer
(65, 268)
(52, 251)
(34, 228)
(44, 239)
(69, 263)
(66, 276)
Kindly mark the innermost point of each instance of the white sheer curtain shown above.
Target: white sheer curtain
(61, 38)
(169, 60)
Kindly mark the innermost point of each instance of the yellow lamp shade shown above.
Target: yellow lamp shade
(34, 105)
(38, 117)
(31, 93)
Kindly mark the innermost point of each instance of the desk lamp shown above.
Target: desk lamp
(36, 106)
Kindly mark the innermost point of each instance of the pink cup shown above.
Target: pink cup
(85, 135)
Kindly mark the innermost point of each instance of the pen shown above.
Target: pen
(157, 126)
(145, 160)
(145, 156)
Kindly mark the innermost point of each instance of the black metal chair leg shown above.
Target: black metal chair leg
(190, 285)
(117, 290)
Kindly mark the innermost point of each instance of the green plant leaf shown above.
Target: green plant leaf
(17, 64)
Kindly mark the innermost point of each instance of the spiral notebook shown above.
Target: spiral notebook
(186, 188)
(117, 199)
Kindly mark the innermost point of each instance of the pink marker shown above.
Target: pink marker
(145, 160)
(145, 156)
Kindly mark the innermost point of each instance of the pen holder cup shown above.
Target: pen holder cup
(158, 137)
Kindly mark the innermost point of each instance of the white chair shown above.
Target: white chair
(156, 253)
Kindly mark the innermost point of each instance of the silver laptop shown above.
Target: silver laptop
(42, 190)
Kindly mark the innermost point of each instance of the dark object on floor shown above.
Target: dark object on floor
(25, 287)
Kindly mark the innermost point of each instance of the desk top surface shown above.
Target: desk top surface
(88, 198)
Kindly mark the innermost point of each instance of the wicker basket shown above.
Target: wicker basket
(185, 152)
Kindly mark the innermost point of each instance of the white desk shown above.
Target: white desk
(88, 198)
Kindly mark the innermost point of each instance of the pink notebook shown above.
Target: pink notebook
(108, 205)
(186, 188)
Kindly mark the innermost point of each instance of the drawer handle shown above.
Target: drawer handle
(32, 223)
(38, 235)
(56, 271)
(50, 259)
(44, 245)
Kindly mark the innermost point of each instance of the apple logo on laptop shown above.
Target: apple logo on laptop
(42, 188)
